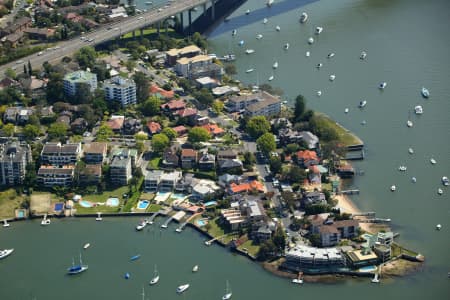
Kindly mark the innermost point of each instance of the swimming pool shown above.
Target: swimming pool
(112, 202)
(20, 214)
(59, 206)
(201, 222)
(86, 204)
(368, 269)
(178, 196)
(143, 204)
(210, 203)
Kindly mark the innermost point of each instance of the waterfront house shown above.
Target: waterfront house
(310, 139)
(268, 105)
(262, 231)
(307, 158)
(383, 252)
(314, 175)
(50, 176)
(188, 158)
(345, 171)
(361, 258)
(152, 180)
(185, 66)
(385, 238)
(95, 152)
(206, 82)
(168, 181)
(330, 231)
(313, 198)
(204, 188)
(207, 162)
(91, 174)
(174, 54)
(58, 155)
(233, 218)
(303, 257)
(120, 170)
(253, 209)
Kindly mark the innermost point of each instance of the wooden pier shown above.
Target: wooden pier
(208, 243)
(350, 192)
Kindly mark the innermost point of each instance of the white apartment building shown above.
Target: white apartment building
(120, 89)
(58, 155)
(74, 79)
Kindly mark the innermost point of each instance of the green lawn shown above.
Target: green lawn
(251, 247)
(101, 198)
(215, 230)
(154, 163)
(9, 201)
(153, 208)
(345, 136)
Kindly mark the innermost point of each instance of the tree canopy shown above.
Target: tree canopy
(257, 126)
(266, 143)
(170, 133)
(86, 57)
(104, 133)
(198, 134)
(142, 86)
(299, 108)
(160, 142)
(151, 106)
(57, 131)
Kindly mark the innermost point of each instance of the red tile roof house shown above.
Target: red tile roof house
(173, 106)
(153, 127)
(214, 130)
(307, 158)
(188, 112)
(161, 93)
(314, 175)
(246, 187)
(180, 130)
(116, 123)
(188, 158)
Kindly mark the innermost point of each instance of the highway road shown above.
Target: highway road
(104, 33)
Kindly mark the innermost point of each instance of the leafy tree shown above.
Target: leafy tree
(249, 158)
(292, 148)
(275, 164)
(55, 88)
(299, 109)
(230, 69)
(8, 129)
(199, 40)
(142, 86)
(266, 250)
(140, 146)
(30, 176)
(30, 70)
(57, 131)
(141, 136)
(170, 133)
(86, 57)
(315, 240)
(294, 174)
(266, 143)
(104, 133)
(217, 106)
(257, 126)
(31, 131)
(82, 94)
(279, 239)
(204, 96)
(198, 134)
(160, 142)
(151, 106)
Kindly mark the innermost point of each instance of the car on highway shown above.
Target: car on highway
(140, 18)
(117, 28)
(19, 62)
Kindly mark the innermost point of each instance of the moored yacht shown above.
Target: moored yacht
(303, 17)
(432, 161)
(363, 55)
(330, 55)
(76, 269)
(393, 188)
(275, 65)
(362, 103)
(269, 3)
(45, 221)
(249, 51)
(249, 70)
(319, 30)
(308, 54)
(247, 12)
(271, 78)
(319, 65)
(277, 28)
(234, 32)
(286, 46)
(182, 288)
(425, 92)
(382, 85)
(265, 21)
(445, 181)
(332, 77)
(155, 278)
(411, 151)
(228, 293)
(409, 123)
(195, 268)
(6, 252)
(440, 191)
(141, 225)
(310, 40)
(319, 93)
(259, 36)
(418, 110)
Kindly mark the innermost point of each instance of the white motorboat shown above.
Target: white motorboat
(363, 122)
(269, 3)
(414, 179)
(234, 32)
(363, 55)
(376, 278)
(319, 93)
(6, 252)
(229, 57)
(332, 77)
(393, 188)
(411, 151)
(155, 278)
(228, 292)
(259, 36)
(303, 17)
(182, 288)
(319, 65)
(99, 217)
(277, 28)
(45, 221)
(432, 161)
(271, 78)
(141, 225)
(164, 226)
(87, 245)
(241, 43)
(362, 103)
(195, 268)
(307, 54)
(249, 70)
(418, 110)
(247, 12)
(438, 227)
(425, 92)
(310, 40)
(409, 123)
(5, 223)
(440, 191)
(346, 110)
(445, 181)
(286, 46)
(275, 65)
(319, 30)
(330, 55)
(249, 51)
(402, 168)
(297, 281)
(265, 21)
(382, 85)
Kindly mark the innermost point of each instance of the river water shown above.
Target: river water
(407, 43)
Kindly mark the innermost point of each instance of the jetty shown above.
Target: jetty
(166, 222)
(181, 227)
(375, 220)
(364, 214)
(209, 243)
(350, 192)
(152, 218)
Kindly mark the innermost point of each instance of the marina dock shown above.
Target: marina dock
(208, 243)
(350, 192)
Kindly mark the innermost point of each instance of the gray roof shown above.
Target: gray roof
(230, 163)
(153, 175)
(265, 99)
(120, 162)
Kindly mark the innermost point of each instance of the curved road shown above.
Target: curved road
(104, 33)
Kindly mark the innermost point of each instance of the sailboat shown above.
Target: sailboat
(76, 269)
(228, 292)
(376, 277)
(5, 223)
(155, 279)
(45, 221)
(275, 65)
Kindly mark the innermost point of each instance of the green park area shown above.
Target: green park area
(9, 201)
(344, 136)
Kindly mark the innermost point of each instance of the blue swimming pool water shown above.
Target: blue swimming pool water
(20, 214)
(201, 222)
(112, 202)
(59, 206)
(143, 204)
(178, 196)
(85, 203)
(211, 203)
